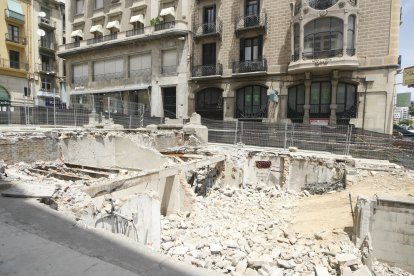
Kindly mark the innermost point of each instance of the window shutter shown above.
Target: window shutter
(169, 58)
(260, 46)
(242, 43)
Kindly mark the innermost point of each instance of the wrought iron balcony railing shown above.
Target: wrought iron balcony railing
(247, 66)
(13, 15)
(350, 52)
(321, 4)
(208, 70)
(250, 114)
(169, 70)
(16, 39)
(135, 32)
(6, 63)
(323, 54)
(72, 45)
(250, 21)
(164, 25)
(102, 38)
(108, 76)
(47, 44)
(47, 22)
(208, 28)
(46, 67)
(295, 57)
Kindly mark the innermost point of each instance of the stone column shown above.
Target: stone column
(306, 107)
(333, 106)
(345, 37)
(301, 40)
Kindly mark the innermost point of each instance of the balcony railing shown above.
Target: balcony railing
(72, 45)
(46, 67)
(208, 70)
(250, 22)
(14, 15)
(169, 70)
(295, 57)
(47, 21)
(249, 66)
(108, 76)
(16, 39)
(323, 54)
(102, 38)
(350, 52)
(164, 25)
(5, 63)
(208, 29)
(47, 45)
(134, 32)
(80, 80)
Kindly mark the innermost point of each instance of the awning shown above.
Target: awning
(77, 33)
(113, 24)
(96, 28)
(168, 11)
(137, 18)
(14, 5)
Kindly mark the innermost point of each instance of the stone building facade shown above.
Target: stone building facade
(129, 50)
(307, 61)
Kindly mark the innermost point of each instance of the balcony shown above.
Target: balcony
(249, 66)
(15, 39)
(72, 45)
(47, 22)
(207, 70)
(12, 15)
(164, 26)
(332, 59)
(249, 22)
(102, 39)
(48, 68)
(169, 70)
(11, 64)
(47, 45)
(135, 32)
(208, 29)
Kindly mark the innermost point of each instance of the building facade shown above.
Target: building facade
(307, 61)
(129, 50)
(15, 52)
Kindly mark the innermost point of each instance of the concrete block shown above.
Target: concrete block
(31, 190)
(198, 130)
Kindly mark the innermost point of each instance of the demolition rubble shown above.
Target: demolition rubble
(229, 209)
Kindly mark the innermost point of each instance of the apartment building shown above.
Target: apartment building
(305, 61)
(15, 52)
(132, 50)
(49, 31)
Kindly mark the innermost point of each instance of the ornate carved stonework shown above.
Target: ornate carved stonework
(341, 4)
(323, 13)
(319, 62)
(305, 10)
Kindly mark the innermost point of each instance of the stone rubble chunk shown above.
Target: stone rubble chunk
(346, 259)
(321, 271)
(180, 250)
(215, 248)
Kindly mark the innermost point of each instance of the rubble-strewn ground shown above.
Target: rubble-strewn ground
(261, 230)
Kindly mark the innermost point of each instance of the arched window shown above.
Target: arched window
(209, 103)
(321, 4)
(320, 99)
(323, 38)
(350, 50)
(296, 100)
(4, 96)
(346, 100)
(251, 102)
(296, 40)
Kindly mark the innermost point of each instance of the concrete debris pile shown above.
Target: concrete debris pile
(246, 232)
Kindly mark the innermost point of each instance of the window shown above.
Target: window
(351, 36)
(13, 33)
(320, 100)
(251, 48)
(296, 100)
(251, 102)
(80, 73)
(169, 61)
(46, 40)
(46, 65)
(108, 69)
(323, 38)
(346, 100)
(296, 41)
(209, 54)
(139, 65)
(46, 84)
(209, 103)
(14, 59)
(79, 7)
(322, 4)
(252, 7)
(209, 19)
(98, 4)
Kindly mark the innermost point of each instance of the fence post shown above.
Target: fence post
(47, 116)
(130, 120)
(241, 132)
(349, 140)
(285, 142)
(235, 133)
(109, 109)
(74, 115)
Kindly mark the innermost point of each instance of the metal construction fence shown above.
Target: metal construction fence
(340, 139)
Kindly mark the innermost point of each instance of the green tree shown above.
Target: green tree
(412, 108)
(405, 122)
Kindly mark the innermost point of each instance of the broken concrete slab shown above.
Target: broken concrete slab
(23, 190)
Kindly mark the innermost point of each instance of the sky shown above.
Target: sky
(406, 42)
